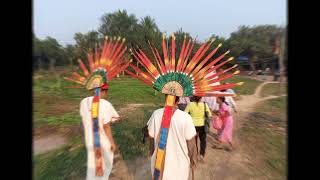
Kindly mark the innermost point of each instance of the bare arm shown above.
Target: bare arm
(192, 152)
(108, 132)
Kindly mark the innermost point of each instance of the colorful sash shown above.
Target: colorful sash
(98, 154)
(164, 130)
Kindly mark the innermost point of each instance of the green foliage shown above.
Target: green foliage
(72, 54)
(274, 89)
(119, 23)
(48, 53)
(255, 42)
(86, 43)
(61, 164)
(247, 88)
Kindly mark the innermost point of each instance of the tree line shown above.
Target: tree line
(256, 43)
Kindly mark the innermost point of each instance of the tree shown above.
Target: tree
(53, 52)
(85, 43)
(88, 41)
(36, 52)
(71, 54)
(254, 42)
(179, 40)
(121, 24)
(224, 48)
(147, 32)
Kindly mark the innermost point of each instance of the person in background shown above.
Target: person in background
(183, 102)
(229, 99)
(231, 103)
(276, 75)
(211, 101)
(230, 90)
(225, 134)
(197, 111)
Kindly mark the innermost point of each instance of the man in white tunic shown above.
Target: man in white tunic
(180, 148)
(107, 114)
(97, 113)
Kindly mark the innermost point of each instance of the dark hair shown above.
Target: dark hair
(223, 99)
(101, 90)
(177, 99)
(196, 98)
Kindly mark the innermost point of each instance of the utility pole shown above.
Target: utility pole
(282, 54)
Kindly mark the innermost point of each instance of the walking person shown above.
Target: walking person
(211, 101)
(97, 113)
(197, 111)
(183, 102)
(181, 149)
(176, 79)
(229, 100)
(225, 134)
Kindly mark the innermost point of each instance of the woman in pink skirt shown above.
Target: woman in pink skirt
(225, 134)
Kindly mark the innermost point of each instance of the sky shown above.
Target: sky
(61, 19)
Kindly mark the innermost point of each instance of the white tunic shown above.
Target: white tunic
(231, 102)
(106, 114)
(177, 162)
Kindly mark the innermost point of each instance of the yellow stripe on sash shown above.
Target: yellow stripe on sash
(160, 158)
(94, 110)
(170, 100)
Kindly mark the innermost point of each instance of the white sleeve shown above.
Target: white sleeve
(82, 108)
(151, 125)
(109, 113)
(232, 102)
(189, 129)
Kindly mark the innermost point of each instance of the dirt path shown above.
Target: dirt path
(220, 164)
(45, 144)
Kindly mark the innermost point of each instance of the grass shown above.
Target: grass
(61, 164)
(247, 88)
(275, 107)
(58, 107)
(265, 136)
(273, 89)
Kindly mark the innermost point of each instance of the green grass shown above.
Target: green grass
(265, 136)
(275, 107)
(247, 88)
(273, 89)
(65, 120)
(61, 164)
(58, 107)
